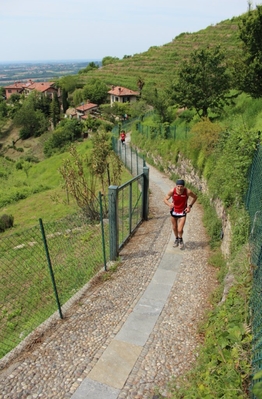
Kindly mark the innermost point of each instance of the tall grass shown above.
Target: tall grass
(41, 193)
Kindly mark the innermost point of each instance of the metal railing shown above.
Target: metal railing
(128, 207)
(132, 160)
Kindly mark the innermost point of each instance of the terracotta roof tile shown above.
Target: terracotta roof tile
(122, 91)
(16, 85)
(40, 86)
(86, 107)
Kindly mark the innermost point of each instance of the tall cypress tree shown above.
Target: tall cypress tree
(55, 110)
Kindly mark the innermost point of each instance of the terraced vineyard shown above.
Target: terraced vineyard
(160, 64)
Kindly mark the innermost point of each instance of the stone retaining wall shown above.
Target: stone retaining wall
(185, 170)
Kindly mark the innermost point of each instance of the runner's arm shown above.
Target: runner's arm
(193, 199)
(167, 198)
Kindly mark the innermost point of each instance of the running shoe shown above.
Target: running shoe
(176, 242)
(181, 243)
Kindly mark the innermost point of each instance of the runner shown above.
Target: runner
(123, 136)
(179, 209)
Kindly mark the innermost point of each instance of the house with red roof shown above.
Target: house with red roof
(47, 88)
(122, 95)
(83, 110)
(15, 88)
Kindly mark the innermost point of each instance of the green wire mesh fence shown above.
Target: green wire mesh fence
(254, 207)
(163, 130)
(37, 278)
(130, 208)
(43, 267)
(132, 160)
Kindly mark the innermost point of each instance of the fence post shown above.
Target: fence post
(113, 221)
(50, 268)
(131, 160)
(137, 160)
(251, 179)
(102, 229)
(145, 192)
(130, 208)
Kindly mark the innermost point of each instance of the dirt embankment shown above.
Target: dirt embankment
(13, 147)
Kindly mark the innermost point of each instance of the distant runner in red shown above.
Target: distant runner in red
(179, 209)
(123, 136)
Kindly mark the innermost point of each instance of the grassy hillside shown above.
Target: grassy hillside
(160, 63)
(225, 168)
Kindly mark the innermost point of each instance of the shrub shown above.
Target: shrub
(31, 158)
(6, 221)
(19, 165)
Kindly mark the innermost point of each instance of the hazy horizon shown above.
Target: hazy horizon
(48, 61)
(67, 30)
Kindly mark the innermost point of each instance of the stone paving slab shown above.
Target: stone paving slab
(115, 364)
(118, 360)
(94, 390)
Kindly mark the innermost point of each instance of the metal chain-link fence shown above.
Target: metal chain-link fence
(132, 160)
(130, 208)
(254, 207)
(163, 130)
(41, 268)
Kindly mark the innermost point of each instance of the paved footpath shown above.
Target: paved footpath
(109, 375)
(127, 335)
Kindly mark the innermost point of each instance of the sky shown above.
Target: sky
(53, 30)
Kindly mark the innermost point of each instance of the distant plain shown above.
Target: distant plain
(39, 71)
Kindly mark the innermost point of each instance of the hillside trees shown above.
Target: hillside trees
(65, 102)
(96, 91)
(3, 108)
(31, 118)
(78, 97)
(68, 131)
(55, 110)
(33, 114)
(158, 99)
(203, 82)
(91, 123)
(42, 102)
(14, 104)
(91, 66)
(67, 84)
(138, 108)
(250, 27)
(116, 112)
